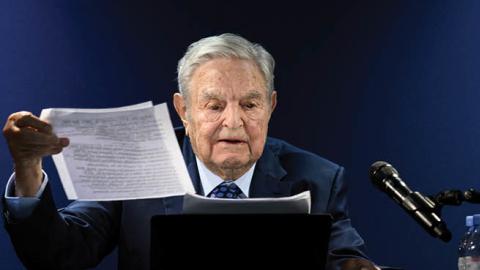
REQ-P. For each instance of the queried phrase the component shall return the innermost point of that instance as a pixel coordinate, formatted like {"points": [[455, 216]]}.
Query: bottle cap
{"points": [[469, 221], [476, 220]]}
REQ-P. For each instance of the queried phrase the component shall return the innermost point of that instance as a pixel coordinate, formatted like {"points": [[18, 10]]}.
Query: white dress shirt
{"points": [[210, 180]]}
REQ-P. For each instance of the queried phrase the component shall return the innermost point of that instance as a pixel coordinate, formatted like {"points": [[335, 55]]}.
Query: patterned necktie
{"points": [[227, 190]]}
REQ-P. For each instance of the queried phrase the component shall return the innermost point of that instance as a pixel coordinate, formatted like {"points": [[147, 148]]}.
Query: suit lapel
{"points": [[174, 205], [190, 161], [267, 177]]}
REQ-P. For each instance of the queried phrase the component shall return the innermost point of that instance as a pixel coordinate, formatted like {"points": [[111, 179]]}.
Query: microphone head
{"points": [[387, 179], [380, 170]]}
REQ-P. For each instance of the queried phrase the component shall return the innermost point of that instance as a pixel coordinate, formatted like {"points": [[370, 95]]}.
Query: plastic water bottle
{"points": [[469, 254], [463, 242]]}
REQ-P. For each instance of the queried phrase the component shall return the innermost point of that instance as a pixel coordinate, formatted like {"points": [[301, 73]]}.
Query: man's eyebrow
{"points": [[254, 94], [209, 94]]}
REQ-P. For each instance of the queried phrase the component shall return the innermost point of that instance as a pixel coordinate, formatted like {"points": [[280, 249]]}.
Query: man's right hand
{"points": [[29, 140]]}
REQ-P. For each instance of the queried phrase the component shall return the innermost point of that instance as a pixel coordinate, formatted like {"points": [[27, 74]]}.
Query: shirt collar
{"points": [[210, 180]]}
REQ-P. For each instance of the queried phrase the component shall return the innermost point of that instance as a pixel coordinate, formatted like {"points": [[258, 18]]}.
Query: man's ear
{"points": [[181, 107], [273, 100]]}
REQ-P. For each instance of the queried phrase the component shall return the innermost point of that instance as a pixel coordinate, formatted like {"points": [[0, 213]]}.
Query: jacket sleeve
{"points": [[345, 242], [21, 207], [75, 237]]}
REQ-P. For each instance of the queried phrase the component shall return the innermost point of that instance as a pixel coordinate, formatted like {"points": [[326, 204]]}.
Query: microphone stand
{"points": [[449, 197], [454, 197]]}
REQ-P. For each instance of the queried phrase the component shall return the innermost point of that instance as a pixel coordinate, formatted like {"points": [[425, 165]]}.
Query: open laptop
{"points": [[296, 241]]}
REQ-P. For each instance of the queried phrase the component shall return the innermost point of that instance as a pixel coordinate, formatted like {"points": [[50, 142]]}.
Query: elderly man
{"points": [[225, 102]]}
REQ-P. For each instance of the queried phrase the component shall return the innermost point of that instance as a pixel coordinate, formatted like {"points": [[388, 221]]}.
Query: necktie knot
{"points": [[227, 190]]}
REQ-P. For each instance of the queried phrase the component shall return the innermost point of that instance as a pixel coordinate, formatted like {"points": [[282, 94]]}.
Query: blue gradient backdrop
{"points": [[358, 81]]}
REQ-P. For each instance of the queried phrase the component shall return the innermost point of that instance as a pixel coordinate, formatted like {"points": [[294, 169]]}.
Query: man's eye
{"points": [[214, 107], [250, 105]]}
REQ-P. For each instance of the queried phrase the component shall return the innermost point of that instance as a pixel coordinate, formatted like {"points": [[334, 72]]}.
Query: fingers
{"points": [[28, 123], [357, 263], [26, 152], [30, 138], [64, 142], [37, 138], [30, 120]]}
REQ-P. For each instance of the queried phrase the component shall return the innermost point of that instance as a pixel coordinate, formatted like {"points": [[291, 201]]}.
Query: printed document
{"points": [[296, 204], [119, 153]]}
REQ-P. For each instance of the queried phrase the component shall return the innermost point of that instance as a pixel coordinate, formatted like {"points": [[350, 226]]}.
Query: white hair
{"points": [[223, 46]]}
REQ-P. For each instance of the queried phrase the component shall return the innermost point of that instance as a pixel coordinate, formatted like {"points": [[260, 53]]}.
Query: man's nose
{"points": [[232, 117]]}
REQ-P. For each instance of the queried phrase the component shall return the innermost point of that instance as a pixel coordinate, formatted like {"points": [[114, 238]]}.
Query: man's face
{"points": [[227, 115]]}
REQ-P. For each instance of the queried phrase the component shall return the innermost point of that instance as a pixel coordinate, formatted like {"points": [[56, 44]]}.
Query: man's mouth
{"points": [[232, 141]]}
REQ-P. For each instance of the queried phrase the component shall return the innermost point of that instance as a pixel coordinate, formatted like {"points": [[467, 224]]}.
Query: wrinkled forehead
{"points": [[228, 77]]}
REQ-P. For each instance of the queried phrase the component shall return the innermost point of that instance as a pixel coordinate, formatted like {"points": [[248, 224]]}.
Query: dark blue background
{"points": [[358, 81]]}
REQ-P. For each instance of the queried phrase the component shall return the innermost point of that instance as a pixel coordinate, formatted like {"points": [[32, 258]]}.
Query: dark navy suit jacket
{"points": [[81, 234]]}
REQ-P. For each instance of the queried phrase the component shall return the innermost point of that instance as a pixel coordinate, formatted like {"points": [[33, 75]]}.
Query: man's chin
{"points": [[233, 163], [231, 167]]}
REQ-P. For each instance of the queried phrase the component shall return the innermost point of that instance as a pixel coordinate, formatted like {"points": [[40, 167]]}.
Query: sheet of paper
{"points": [[119, 153], [297, 204], [142, 105]]}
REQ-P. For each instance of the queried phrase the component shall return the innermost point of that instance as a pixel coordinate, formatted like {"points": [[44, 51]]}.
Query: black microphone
{"points": [[420, 207]]}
